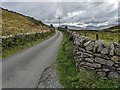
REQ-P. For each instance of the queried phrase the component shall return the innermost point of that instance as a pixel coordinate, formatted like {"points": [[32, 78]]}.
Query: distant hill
{"points": [[114, 28], [104, 28], [15, 23]]}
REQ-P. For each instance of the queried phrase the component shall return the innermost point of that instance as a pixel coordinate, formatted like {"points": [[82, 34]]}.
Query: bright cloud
{"points": [[89, 12]]}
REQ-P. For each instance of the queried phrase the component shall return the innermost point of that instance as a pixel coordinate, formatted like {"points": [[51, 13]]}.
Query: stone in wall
{"points": [[109, 67], [78, 58], [76, 42], [78, 53], [81, 64], [112, 49], [115, 58], [105, 51], [89, 52], [89, 60], [117, 51], [116, 65], [87, 55], [83, 40], [87, 43], [102, 56], [96, 65], [106, 70], [109, 63], [98, 46], [88, 68], [113, 75], [100, 60], [90, 46], [91, 64], [118, 69], [81, 49]]}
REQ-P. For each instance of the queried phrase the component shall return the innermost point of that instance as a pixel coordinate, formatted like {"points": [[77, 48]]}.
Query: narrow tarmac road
{"points": [[23, 70]]}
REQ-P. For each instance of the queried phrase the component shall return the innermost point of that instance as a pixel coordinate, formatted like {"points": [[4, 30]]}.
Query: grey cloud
{"points": [[91, 12]]}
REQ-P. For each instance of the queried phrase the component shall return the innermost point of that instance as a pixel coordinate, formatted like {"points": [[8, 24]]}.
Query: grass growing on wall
{"points": [[70, 76], [13, 45]]}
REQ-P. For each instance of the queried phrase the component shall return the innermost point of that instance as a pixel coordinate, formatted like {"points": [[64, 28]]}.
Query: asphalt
{"points": [[24, 69]]}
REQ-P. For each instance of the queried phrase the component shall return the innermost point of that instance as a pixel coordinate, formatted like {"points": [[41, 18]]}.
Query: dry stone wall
{"points": [[96, 56]]}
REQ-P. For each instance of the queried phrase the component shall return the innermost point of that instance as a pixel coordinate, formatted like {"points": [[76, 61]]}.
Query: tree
{"points": [[51, 25], [66, 27]]}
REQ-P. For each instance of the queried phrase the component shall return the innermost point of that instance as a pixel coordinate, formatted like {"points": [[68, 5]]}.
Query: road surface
{"points": [[23, 70]]}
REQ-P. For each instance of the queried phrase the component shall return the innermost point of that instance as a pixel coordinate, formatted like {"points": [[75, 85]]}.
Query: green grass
{"points": [[106, 37], [91, 80], [70, 76], [66, 67], [26, 45]]}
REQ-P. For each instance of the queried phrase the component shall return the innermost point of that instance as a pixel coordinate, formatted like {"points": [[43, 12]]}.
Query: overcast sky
{"points": [[82, 13]]}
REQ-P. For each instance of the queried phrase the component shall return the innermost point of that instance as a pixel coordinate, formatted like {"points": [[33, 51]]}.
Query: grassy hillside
{"points": [[14, 23], [114, 28]]}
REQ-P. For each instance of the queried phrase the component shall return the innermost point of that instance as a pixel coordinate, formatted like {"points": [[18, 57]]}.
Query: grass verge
{"points": [[70, 76], [26, 45]]}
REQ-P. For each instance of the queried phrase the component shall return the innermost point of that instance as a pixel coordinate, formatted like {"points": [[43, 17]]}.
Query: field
{"points": [[106, 37]]}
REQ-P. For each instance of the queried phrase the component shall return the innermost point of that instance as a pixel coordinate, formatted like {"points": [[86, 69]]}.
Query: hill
{"points": [[20, 32], [15, 23], [113, 28]]}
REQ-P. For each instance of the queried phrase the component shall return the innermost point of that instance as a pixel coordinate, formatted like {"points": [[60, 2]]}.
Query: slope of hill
{"points": [[20, 32], [114, 28], [14, 23]]}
